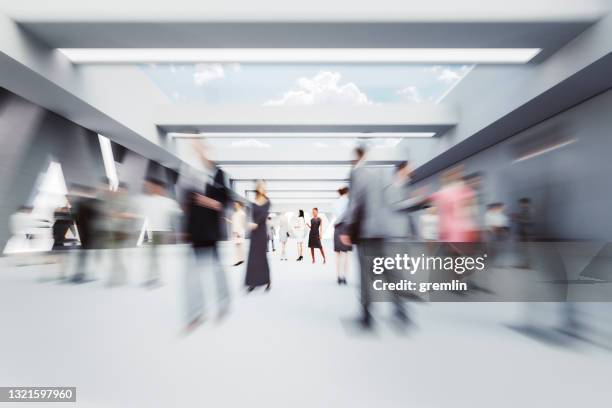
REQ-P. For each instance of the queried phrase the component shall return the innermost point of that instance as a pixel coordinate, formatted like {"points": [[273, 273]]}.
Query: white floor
{"points": [[295, 346]]}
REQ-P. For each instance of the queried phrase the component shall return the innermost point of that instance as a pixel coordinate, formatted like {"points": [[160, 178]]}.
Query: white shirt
{"points": [[428, 226], [299, 228], [283, 225], [496, 219], [239, 223]]}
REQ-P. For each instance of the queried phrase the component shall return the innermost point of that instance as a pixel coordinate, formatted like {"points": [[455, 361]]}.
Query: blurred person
{"points": [[366, 221], [118, 227], [428, 224], [258, 270], [341, 250], [402, 233], [204, 211], [401, 229], [428, 227], [314, 236], [299, 232], [87, 213], [523, 223], [458, 231], [524, 220], [497, 222], [160, 212], [283, 235], [457, 227], [238, 222], [454, 204], [64, 222], [476, 206], [271, 232], [497, 227]]}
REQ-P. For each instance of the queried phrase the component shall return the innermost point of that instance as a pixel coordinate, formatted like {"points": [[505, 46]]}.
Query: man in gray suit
{"points": [[368, 225]]}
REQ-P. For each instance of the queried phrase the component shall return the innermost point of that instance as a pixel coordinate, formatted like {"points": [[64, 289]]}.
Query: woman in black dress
{"points": [[314, 237], [258, 271]]}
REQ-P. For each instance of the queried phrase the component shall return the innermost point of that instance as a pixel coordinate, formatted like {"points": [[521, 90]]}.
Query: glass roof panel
{"points": [[305, 84]]}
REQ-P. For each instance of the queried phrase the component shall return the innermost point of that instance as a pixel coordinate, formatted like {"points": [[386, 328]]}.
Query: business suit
{"points": [[204, 229], [367, 221], [204, 224]]}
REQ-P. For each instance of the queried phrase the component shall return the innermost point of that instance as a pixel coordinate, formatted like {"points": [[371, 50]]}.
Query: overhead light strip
{"points": [[544, 150], [301, 55], [303, 135]]}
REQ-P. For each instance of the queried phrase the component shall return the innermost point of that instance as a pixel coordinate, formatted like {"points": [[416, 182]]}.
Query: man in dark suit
{"points": [[204, 213], [86, 209]]}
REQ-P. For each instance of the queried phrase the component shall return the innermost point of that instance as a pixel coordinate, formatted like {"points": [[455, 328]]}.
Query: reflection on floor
{"points": [[292, 347]]}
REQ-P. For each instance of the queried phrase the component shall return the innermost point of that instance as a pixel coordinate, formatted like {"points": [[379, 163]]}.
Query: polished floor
{"points": [[295, 346]]}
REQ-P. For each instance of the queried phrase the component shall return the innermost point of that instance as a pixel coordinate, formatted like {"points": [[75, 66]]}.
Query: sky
{"points": [[280, 84]]}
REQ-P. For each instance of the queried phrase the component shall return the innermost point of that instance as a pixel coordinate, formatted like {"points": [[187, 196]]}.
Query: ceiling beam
{"points": [[193, 119]]}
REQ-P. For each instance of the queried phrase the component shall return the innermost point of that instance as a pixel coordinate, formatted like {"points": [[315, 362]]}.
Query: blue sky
{"points": [[279, 84]]}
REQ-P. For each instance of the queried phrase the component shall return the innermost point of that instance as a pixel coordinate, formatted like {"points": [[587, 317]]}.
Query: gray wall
{"points": [[30, 136], [571, 187]]}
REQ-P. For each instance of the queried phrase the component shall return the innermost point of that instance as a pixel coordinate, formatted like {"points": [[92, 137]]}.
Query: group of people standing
{"points": [[296, 231]]}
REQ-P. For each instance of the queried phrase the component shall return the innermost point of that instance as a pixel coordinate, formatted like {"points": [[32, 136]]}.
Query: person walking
{"points": [[271, 232], [314, 237], [283, 232], [238, 222], [203, 223], [299, 232], [87, 211], [160, 213], [258, 270], [366, 221], [341, 250], [119, 231]]}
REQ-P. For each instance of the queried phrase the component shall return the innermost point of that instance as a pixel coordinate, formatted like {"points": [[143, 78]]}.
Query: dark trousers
{"points": [[80, 273], [367, 250]]}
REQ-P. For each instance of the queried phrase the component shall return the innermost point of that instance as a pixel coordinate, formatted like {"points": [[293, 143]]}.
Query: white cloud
{"points": [[207, 72], [449, 75], [323, 89], [258, 144], [411, 93]]}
